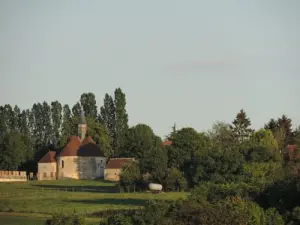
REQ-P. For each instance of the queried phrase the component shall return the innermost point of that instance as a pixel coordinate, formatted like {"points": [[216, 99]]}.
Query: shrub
{"points": [[62, 219]]}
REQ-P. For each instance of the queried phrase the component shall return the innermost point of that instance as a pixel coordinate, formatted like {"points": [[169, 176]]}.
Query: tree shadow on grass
{"points": [[90, 189], [112, 201]]}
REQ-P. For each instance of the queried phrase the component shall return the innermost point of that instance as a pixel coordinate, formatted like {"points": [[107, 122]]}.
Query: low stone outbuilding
{"points": [[47, 167], [114, 167]]}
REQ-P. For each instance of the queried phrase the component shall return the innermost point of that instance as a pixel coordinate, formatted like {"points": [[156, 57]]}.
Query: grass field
{"points": [[39, 199]]}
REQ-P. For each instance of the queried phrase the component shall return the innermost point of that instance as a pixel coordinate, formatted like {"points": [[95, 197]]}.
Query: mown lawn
{"points": [[16, 220], [32, 219], [86, 197]]}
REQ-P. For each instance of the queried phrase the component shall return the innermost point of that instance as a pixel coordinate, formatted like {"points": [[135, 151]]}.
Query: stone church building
{"points": [[81, 158]]}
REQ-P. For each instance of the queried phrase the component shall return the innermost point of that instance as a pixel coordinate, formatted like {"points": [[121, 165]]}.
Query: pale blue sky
{"points": [[189, 62]]}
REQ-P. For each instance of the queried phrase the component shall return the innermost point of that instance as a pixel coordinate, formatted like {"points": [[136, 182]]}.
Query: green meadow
{"points": [[33, 202]]}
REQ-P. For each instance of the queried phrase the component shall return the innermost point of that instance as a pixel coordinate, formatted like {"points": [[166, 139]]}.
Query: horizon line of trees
{"points": [[25, 135], [236, 175]]}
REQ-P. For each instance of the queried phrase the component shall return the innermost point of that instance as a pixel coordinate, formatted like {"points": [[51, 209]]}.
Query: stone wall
{"points": [[12, 176], [67, 167], [112, 174], [46, 171], [91, 167]]}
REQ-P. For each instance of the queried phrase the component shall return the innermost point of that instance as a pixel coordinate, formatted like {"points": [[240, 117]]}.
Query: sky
{"points": [[186, 62]]}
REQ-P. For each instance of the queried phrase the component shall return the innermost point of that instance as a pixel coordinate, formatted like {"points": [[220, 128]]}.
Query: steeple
{"points": [[82, 119], [82, 126]]}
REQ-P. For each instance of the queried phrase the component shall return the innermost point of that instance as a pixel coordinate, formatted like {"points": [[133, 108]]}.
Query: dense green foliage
{"points": [[236, 175], [61, 219]]}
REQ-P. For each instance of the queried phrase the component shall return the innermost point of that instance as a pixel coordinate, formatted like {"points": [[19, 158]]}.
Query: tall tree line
{"points": [[114, 116], [26, 135]]}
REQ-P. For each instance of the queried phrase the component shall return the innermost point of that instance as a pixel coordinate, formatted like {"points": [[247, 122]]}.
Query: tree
{"points": [[295, 216], [9, 118], [186, 144], [76, 109], [217, 165], [142, 144], [16, 119], [56, 115], [118, 219], [47, 125], [130, 175], [23, 125], [241, 126], [174, 180], [297, 137], [280, 137], [89, 105], [264, 138], [13, 151], [157, 160], [24, 129], [67, 125], [222, 135], [263, 147], [108, 118], [121, 120], [281, 128], [100, 135], [62, 219], [42, 126], [286, 124], [260, 175], [273, 217], [3, 127], [30, 118], [37, 125], [272, 125]]}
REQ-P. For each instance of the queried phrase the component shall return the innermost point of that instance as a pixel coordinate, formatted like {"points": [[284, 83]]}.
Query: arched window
{"points": [[62, 164]]}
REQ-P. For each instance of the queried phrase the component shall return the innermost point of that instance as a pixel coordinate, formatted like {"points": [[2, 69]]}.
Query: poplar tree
{"points": [[121, 119], [89, 105], [56, 116], [108, 118], [67, 126]]}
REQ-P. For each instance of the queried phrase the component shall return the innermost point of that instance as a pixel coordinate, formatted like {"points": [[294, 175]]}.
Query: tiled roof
{"points": [[71, 147], [48, 158], [90, 149], [291, 148], [167, 142], [87, 147], [118, 163], [88, 140]]}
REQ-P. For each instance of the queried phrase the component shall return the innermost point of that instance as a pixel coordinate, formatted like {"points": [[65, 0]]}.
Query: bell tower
{"points": [[82, 126]]}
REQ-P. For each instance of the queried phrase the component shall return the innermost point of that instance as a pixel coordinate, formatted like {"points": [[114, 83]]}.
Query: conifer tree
{"points": [[241, 126]]}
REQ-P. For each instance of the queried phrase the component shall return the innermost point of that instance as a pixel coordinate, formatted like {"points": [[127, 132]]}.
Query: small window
{"points": [[62, 164], [45, 174]]}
